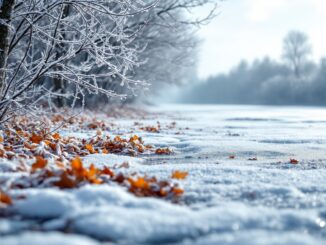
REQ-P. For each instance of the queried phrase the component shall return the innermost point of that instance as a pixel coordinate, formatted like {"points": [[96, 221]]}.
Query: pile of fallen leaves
{"points": [[18, 143], [57, 163], [43, 174], [22, 142]]}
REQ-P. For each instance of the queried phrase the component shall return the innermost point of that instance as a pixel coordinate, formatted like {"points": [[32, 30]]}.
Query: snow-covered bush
{"points": [[57, 52], [48, 46], [171, 46]]}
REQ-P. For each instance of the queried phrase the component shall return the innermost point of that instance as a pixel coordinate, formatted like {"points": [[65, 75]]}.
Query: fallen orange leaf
{"points": [[179, 175], [76, 163], [118, 139], [178, 191], [90, 148], [91, 174], [36, 139], [2, 153], [40, 163], [134, 138], [107, 171], [4, 198], [77, 167], [56, 136], [140, 183]]}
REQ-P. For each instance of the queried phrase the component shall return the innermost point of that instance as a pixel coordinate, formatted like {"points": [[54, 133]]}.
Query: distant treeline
{"points": [[265, 82]]}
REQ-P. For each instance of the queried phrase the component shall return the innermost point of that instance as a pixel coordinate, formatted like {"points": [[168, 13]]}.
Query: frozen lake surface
{"points": [[254, 197]]}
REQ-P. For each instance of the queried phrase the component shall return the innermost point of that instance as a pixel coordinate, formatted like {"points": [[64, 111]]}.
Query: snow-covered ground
{"points": [[226, 201]]}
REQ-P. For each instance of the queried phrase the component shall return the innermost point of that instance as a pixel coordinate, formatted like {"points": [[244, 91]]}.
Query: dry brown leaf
{"points": [[163, 151], [118, 139], [65, 182], [294, 161], [151, 129], [92, 126]]}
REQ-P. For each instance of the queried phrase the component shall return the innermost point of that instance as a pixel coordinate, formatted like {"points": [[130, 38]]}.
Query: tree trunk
{"points": [[59, 85], [5, 16]]}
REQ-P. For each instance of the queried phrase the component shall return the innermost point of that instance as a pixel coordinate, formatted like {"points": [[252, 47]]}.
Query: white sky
{"points": [[249, 29]]}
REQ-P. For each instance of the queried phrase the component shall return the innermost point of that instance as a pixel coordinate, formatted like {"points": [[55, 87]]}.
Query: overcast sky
{"points": [[249, 29]]}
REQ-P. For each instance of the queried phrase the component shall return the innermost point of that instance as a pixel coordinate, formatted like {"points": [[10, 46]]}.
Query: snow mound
{"points": [[109, 160], [111, 214], [53, 238]]}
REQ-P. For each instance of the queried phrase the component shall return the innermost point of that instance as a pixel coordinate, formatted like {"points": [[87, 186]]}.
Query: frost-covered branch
{"points": [[65, 47]]}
